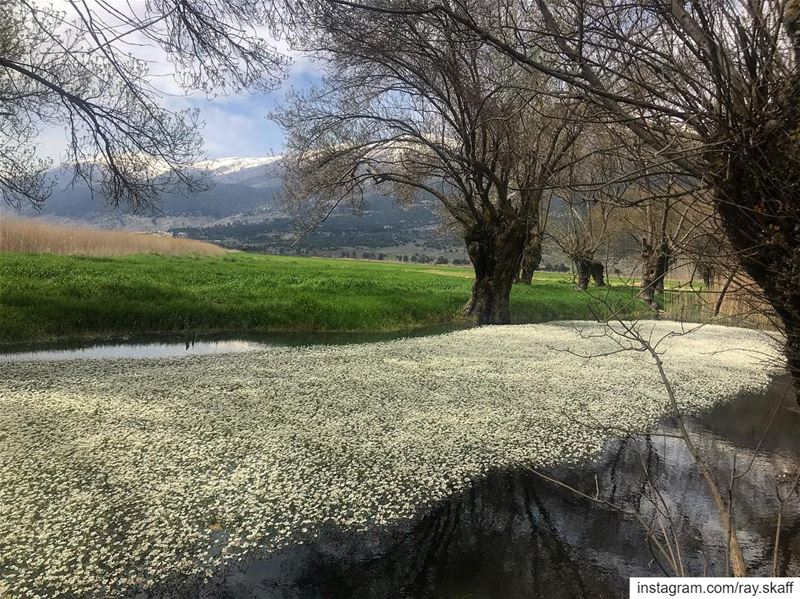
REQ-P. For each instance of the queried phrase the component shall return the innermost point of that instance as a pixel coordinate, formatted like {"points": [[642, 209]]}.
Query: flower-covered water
{"points": [[120, 474]]}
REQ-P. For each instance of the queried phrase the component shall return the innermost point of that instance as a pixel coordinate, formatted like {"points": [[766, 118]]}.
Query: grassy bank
{"points": [[44, 297]]}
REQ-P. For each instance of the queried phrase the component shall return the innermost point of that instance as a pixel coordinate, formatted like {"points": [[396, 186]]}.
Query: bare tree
{"points": [[581, 232], [532, 252], [673, 226], [78, 68], [711, 88], [418, 104], [590, 198]]}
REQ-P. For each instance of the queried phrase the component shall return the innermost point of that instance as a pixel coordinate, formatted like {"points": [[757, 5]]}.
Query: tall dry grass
{"points": [[738, 305], [735, 302], [34, 236]]}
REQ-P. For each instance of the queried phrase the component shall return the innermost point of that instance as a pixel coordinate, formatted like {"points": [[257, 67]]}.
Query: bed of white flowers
{"points": [[122, 473]]}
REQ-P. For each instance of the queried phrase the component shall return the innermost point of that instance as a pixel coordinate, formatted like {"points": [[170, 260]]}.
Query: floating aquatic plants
{"points": [[120, 474]]}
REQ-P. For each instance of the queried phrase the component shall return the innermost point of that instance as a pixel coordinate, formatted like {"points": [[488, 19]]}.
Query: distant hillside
{"points": [[238, 186], [242, 209], [382, 225], [220, 201]]}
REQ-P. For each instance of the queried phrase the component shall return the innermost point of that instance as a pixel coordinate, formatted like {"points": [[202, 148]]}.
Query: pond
{"points": [[516, 535], [393, 468]]}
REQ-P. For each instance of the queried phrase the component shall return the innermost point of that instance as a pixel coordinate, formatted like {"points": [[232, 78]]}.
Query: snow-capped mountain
{"points": [[254, 172], [242, 209], [237, 186], [232, 164]]}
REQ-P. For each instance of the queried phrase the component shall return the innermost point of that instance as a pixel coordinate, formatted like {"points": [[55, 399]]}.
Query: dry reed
{"points": [[739, 305], [35, 236]]}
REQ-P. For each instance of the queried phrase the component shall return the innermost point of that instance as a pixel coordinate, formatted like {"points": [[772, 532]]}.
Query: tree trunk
{"points": [[792, 328], [759, 205], [774, 264], [707, 273], [494, 253], [584, 272], [531, 258], [598, 271], [655, 265], [588, 268]]}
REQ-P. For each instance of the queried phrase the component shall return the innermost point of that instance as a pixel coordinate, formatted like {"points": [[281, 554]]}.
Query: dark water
{"points": [[516, 535], [173, 345]]}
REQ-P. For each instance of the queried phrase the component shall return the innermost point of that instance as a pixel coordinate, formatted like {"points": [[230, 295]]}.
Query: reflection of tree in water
{"points": [[551, 556], [497, 539], [515, 535]]}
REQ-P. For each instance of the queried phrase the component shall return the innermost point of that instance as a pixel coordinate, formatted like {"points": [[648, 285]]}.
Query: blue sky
{"points": [[234, 125], [238, 125]]}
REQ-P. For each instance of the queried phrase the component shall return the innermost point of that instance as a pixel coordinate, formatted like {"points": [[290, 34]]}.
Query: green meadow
{"points": [[45, 297]]}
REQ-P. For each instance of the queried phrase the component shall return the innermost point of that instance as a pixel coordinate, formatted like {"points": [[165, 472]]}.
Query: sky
{"points": [[235, 125], [238, 125]]}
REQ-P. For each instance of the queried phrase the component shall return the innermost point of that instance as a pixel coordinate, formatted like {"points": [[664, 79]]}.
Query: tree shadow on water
{"points": [[517, 535]]}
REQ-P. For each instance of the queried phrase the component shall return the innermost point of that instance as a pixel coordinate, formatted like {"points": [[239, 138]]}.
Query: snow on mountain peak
{"points": [[233, 164]]}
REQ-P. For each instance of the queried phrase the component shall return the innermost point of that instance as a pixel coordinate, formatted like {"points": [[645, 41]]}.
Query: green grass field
{"points": [[45, 297]]}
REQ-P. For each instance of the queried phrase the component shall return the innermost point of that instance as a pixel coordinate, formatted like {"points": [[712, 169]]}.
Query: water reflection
{"points": [[129, 350], [515, 535], [173, 345]]}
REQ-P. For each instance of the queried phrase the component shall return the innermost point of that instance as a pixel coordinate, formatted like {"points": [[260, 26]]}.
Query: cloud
{"points": [[237, 125], [242, 130]]}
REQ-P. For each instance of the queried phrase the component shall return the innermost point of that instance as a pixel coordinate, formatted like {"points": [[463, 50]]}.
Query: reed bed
{"points": [[741, 306], [38, 237]]}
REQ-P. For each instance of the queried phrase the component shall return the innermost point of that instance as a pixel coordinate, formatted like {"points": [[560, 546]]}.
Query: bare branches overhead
{"points": [[84, 69]]}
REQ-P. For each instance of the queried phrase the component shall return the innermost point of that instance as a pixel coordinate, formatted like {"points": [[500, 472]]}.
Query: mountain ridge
{"points": [[242, 209]]}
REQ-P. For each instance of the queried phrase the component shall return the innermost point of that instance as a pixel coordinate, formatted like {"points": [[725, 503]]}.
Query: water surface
{"points": [[516, 535], [175, 345]]}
